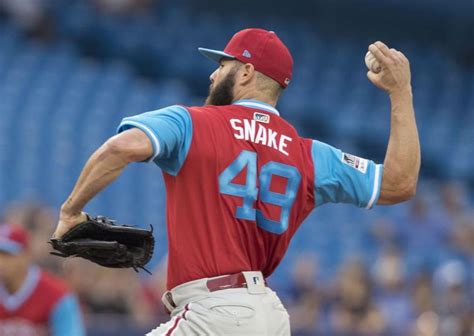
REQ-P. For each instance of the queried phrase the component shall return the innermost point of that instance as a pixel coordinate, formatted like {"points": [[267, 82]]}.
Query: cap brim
{"points": [[10, 247], [215, 55]]}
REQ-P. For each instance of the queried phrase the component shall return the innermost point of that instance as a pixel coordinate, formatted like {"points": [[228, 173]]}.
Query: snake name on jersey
{"points": [[254, 131]]}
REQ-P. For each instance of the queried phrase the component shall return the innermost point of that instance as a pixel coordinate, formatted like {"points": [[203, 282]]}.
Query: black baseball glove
{"points": [[102, 241]]}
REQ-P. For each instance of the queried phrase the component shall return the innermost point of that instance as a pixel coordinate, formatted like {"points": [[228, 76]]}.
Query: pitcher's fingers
{"points": [[383, 47], [395, 55], [398, 56], [403, 57], [378, 54], [373, 77]]}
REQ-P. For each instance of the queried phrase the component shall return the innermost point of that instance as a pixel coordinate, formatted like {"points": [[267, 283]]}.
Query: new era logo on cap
{"points": [[247, 54], [263, 49]]}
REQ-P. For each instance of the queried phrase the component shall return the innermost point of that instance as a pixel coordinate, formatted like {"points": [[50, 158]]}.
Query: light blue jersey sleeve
{"points": [[170, 132], [66, 318], [344, 178]]}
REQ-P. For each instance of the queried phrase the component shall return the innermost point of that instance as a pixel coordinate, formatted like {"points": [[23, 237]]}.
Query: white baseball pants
{"points": [[252, 311]]}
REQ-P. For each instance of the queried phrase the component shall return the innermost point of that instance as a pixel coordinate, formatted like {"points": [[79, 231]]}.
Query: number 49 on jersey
{"points": [[250, 193]]}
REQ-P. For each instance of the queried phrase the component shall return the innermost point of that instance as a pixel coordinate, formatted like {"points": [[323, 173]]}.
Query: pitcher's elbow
{"points": [[117, 148], [408, 192]]}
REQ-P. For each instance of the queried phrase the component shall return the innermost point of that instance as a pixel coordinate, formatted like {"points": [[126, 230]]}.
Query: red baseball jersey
{"points": [[42, 306], [239, 182]]}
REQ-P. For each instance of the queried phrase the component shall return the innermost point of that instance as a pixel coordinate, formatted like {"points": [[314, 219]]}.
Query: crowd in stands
{"points": [[387, 297]]}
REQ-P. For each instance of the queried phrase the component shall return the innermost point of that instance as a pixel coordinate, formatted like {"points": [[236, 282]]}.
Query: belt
{"points": [[236, 280]]}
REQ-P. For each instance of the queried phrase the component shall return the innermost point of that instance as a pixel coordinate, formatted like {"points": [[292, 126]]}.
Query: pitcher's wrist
{"points": [[67, 211], [401, 92]]}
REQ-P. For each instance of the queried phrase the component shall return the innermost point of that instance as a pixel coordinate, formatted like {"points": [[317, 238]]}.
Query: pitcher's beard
{"points": [[222, 93]]}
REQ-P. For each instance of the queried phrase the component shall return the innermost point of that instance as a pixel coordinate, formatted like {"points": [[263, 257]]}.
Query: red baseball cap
{"points": [[259, 47], [13, 239]]}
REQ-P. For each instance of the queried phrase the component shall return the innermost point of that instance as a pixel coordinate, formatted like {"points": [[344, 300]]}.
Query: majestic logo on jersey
{"points": [[250, 130], [261, 117], [355, 162]]}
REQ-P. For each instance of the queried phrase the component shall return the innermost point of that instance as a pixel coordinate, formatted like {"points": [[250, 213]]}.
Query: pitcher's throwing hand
{"points": [[395, 74]]}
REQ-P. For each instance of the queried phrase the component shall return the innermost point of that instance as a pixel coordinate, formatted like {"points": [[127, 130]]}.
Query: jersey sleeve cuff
{"points": [[376, 186], [128, 124]]}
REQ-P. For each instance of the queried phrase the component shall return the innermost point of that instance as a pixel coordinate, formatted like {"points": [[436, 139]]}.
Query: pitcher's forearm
{"points": [[103, 167], [404, 140], [402, 160]]}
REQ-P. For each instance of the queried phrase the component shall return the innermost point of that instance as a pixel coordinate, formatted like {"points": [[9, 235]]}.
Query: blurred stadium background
{"points": [[71, 70]]}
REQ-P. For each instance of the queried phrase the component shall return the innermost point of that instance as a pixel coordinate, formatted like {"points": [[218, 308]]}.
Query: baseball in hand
{"points": [[372, 63]]}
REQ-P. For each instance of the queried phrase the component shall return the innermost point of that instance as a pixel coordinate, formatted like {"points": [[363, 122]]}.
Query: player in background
{"points": [[240, 181], [32, 301]]}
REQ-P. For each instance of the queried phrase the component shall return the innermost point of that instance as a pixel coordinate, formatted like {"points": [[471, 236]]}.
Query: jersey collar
{"points": [[257, 104], [13, 301]]}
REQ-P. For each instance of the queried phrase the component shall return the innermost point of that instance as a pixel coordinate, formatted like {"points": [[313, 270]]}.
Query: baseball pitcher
{"points": [[240, 181]]}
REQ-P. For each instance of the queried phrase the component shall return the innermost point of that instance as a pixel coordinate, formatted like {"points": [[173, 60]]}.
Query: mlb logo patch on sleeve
{"points": [[355, 162]]}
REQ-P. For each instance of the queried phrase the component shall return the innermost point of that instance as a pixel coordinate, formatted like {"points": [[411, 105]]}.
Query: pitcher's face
{"points": [[221, 90]]}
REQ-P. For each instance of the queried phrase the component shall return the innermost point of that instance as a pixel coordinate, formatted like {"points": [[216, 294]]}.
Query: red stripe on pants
{"points": [[175, 324]]}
